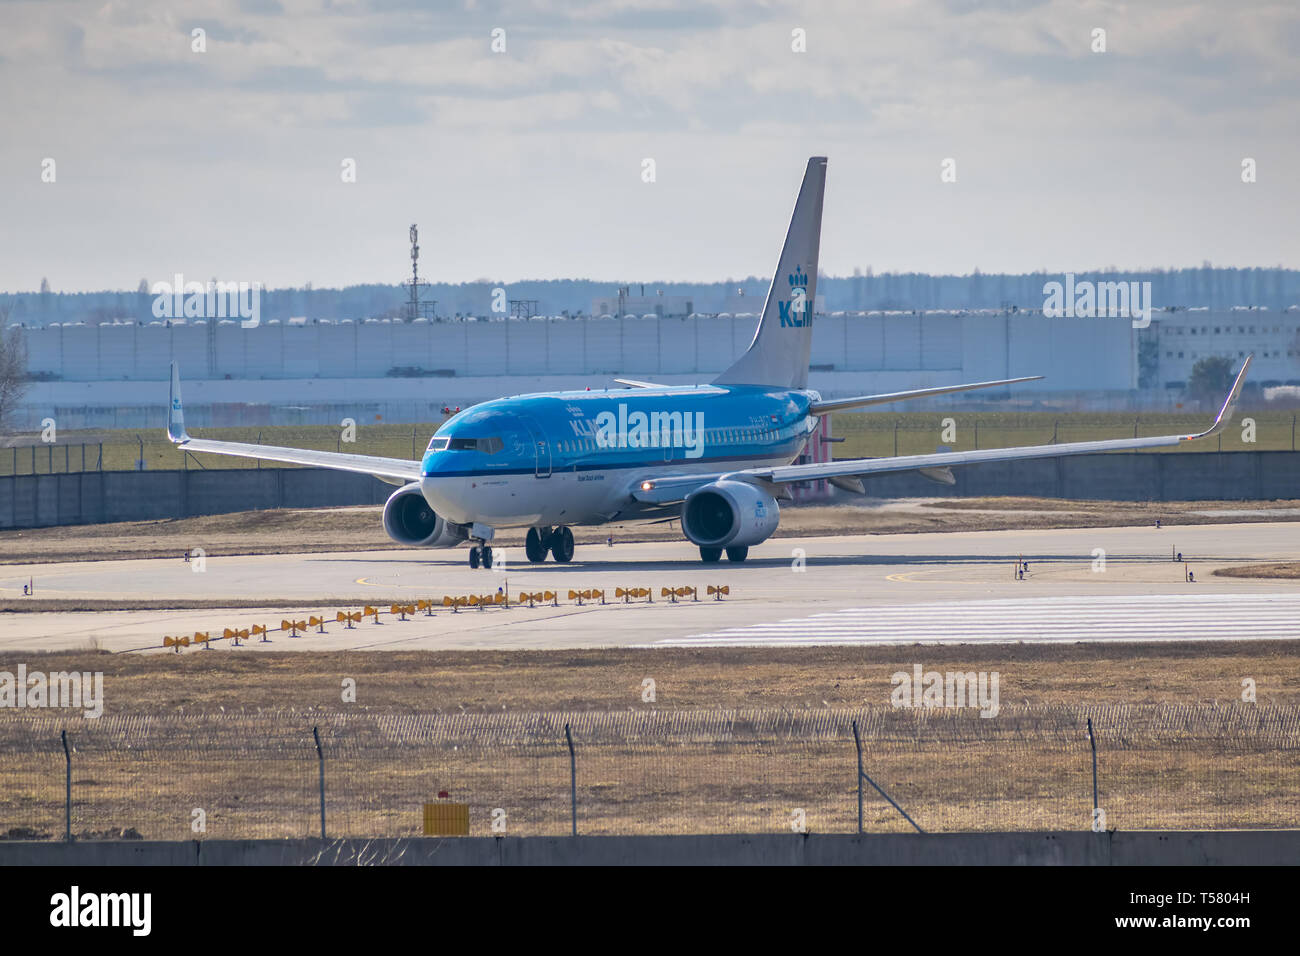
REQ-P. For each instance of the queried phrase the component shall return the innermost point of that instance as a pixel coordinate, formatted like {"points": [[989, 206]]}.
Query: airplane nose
{"points": [[446, 497]]}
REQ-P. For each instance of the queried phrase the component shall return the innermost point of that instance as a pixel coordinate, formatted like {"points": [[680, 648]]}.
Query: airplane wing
{"points": [[392, 470], [839, 405], [676, 488]]}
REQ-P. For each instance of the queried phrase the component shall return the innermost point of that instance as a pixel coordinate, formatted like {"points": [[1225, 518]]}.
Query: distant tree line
{"points": [[13, 370], [1218, 288]]}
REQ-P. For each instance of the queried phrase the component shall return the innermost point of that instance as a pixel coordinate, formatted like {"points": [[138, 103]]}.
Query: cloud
{"points": [[551, 133]]}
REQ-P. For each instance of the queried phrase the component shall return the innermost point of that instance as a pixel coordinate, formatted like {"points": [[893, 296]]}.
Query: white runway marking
{"points": [[1154, 617]]}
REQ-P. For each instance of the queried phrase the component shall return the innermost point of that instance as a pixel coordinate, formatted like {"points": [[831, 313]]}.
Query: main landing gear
{"points": [[557, 541], [714, 555], [480, 556]]}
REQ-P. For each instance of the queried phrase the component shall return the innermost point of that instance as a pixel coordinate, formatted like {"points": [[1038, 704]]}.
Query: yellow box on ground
{"points": [[446, 819]]}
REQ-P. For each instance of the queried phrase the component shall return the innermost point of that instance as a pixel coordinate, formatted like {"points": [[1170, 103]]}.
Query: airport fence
{"points": [[153, 452], [293, 774]]}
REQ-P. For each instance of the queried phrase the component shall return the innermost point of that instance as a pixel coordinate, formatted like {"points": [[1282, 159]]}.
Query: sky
{"points": [[530, 161]]}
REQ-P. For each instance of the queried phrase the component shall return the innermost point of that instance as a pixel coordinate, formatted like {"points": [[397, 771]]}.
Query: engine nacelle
{"points": [[729, 513], [409, 520]]}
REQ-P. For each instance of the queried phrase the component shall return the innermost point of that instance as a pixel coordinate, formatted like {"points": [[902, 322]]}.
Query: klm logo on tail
{"points": [[794, 311]]}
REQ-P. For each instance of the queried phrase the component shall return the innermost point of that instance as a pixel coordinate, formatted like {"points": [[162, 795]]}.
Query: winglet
{"points": [[1229, 404], [176, 410]]}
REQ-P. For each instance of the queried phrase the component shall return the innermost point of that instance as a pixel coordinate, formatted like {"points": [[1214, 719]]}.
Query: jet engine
{"points": [[409, 520], [729, 514]]}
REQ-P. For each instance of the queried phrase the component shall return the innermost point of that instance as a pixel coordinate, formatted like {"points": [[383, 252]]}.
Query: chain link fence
{"points": [[874, 435], [882, 434], [151, 451], [259, 776]]}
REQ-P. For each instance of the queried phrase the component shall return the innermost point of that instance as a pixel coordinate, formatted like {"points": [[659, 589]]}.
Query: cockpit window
{"points": [[488, 446], [437, 444]]}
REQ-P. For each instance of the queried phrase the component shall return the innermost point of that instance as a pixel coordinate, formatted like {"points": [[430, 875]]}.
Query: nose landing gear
{"points": [[480, 555]]}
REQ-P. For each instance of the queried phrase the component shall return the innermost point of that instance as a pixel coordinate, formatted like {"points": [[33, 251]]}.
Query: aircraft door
{"points": [[541, 446]]}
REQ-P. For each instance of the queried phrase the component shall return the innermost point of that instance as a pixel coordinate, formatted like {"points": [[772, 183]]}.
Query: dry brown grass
{"points": [[610, 678], [255, 777], [375, 785], [1285, 570]]}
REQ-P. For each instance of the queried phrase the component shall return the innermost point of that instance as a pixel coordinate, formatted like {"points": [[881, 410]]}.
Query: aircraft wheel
{"points": [[710, 555], [737, 555], [562, 545], [487, 557], [473, 556], [534, 547]]}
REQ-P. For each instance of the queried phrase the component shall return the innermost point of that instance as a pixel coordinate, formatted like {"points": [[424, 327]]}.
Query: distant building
{"points": [[282, 372], [627, 302], [738, 303], [1185, 336]]}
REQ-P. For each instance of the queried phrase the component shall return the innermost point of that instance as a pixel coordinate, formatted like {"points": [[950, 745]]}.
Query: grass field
{"points": [[485, 682], [1286, 570], [873, 435], [120, 450], [735, 741], [866, 436]]}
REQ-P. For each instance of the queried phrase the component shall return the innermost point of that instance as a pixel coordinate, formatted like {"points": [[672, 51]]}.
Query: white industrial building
{"points": [[114, 375], [1187, 335]]}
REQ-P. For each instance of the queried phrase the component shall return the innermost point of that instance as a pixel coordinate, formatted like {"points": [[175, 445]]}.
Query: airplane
{"points": [[715, 457]]}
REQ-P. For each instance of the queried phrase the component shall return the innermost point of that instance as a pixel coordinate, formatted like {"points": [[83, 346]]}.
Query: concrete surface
{"points": [[1143, 848], [955, 587]]}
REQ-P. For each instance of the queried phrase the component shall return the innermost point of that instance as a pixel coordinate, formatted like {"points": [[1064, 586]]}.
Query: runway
{"points": [[1142, 617], [1111, 584]]}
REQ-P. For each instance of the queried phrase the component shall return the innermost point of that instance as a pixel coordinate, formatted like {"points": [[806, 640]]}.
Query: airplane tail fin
{"points": [[778, 356]]}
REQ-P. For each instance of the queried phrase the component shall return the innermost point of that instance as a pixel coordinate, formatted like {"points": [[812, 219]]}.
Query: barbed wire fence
{"points": [[262, 775]]}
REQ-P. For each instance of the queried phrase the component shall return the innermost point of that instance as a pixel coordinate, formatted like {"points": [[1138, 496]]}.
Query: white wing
{"points": [[675, 488], [387, 469]]}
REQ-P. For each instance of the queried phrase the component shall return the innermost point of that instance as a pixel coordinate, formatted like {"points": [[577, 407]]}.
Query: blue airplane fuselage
{"points": [[567, 458]]}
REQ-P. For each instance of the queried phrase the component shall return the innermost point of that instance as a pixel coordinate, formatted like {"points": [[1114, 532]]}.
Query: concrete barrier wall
{"points": [[1146, 848], [36, 501], [1200, 476], [33, 501]]}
